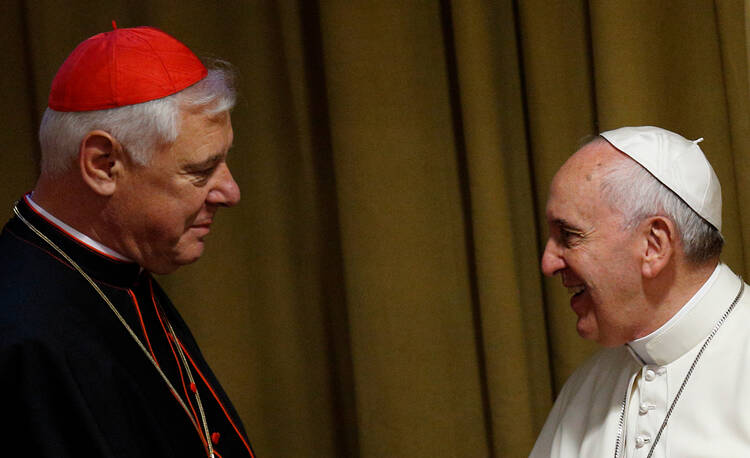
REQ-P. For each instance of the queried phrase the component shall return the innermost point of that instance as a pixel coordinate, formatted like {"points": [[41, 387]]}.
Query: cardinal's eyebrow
{"points": [[205, 164]]}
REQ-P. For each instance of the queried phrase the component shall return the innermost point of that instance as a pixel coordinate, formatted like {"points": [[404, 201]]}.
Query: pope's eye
{"points": [[569, 237]]}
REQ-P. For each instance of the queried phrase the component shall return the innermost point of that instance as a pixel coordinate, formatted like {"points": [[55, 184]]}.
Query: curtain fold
{"points": [[20, 118], [377, 291], [501, 218], [402, 231]]}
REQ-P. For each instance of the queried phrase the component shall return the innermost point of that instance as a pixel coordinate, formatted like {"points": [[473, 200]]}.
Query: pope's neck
{"points": [[666, 295]]}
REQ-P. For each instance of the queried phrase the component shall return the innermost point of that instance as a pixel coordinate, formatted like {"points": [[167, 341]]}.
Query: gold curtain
{"points": [[377, 291]]}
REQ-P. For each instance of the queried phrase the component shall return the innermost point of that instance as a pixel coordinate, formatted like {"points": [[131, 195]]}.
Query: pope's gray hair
{"points": [[632, 191], [141, 128]]}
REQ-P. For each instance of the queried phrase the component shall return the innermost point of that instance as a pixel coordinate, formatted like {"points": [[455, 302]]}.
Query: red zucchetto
{"points": [[123, 67]]}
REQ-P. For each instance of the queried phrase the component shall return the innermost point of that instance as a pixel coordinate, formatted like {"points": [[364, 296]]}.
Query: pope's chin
{"points": [[585, 328], [590, 328]]}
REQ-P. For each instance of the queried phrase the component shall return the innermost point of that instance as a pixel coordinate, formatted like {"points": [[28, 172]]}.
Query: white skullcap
{"points": [[677, 163]]}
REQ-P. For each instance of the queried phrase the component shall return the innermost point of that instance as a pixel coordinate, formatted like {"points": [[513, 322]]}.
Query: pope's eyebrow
{"points": [[569, 227], [561, 222]]}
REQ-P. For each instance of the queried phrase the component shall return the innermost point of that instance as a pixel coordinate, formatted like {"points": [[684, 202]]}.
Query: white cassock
{"points": [[712, 415]]}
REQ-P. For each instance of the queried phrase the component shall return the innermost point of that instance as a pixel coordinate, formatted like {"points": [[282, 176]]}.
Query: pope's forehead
{"points": [[575, 192], [589, 163]]}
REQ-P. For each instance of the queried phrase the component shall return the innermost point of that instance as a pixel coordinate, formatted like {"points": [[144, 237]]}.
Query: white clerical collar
{"points": [[641, 346], [79, 236]]}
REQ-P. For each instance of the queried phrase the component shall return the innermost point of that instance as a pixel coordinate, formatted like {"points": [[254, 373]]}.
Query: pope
{"points": [[634, 221]]}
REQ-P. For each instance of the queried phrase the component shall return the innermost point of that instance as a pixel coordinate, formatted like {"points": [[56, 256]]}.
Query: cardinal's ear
{"points": [[101, 160]]}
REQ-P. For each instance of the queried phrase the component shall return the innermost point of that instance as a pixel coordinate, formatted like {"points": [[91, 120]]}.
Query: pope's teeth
{"points": [[576, 289]]}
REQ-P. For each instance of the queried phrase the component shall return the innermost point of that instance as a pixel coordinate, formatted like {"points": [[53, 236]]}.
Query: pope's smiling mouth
{"points": [[576, 290]]}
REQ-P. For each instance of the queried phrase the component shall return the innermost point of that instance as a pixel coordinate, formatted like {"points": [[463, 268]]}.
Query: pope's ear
{"points": [[100, 159], [660, 239]]}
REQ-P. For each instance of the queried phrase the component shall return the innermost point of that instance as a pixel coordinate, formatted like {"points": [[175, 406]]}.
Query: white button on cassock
{"points": [[642, 440]]}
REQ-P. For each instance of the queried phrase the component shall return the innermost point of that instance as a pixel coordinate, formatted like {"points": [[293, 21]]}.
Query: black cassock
{"points": [[73, 382]]}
